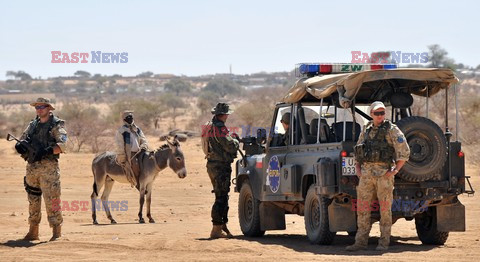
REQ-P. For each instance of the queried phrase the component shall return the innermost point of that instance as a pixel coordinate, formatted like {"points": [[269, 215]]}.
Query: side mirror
{"points": [[261, 136]]}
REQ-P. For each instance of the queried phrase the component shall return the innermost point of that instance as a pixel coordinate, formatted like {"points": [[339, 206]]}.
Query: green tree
{"points": [[145, 111], [206, 101], [178, 86], [82, 74], [222, 87], [19, 75], [438, 57], [83, 124], [172, 102], [145, 74]]}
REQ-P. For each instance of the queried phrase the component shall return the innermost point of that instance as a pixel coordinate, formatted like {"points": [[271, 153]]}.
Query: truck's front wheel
{"points": [[248, 212], [316, 219], [426, 225]]}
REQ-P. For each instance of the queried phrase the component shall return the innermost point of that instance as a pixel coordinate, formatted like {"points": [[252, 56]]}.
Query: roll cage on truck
{"points": [[314, 174]]}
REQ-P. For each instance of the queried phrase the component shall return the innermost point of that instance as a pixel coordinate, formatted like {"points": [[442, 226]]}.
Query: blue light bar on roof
{"points": [[314, 69]]}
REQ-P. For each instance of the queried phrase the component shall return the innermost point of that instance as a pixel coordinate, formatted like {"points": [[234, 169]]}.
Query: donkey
{"points": [[106, 171]]}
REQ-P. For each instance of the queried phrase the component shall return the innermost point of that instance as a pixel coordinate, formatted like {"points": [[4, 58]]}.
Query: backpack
{"points": [[206, 133]]}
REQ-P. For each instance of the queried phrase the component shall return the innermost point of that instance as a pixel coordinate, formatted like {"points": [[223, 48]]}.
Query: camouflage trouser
{"points": [[45, 175], [220, 174], [374, 186]]}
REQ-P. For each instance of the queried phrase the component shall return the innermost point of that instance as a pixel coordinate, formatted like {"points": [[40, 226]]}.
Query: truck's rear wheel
{"points": [[428, 152], [426, 225], [316, 219], [248, 212]]}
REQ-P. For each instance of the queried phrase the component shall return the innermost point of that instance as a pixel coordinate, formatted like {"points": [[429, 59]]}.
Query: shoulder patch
{"points": [[400, 139], [63, 137]]}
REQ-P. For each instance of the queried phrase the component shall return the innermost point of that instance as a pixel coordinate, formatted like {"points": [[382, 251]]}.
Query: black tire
{"points": [[316, 219], [428, 149], [248, 212], [426, 225]]}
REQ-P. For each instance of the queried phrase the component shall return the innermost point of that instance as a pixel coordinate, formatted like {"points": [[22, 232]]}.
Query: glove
{"points": [[21, 149], [42, 153]]}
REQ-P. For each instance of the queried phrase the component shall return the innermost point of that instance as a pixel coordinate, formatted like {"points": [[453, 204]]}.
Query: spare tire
{"points": [[428, 149]]}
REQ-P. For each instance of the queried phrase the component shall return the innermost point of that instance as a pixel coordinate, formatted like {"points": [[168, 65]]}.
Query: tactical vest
{"points": [[40, 134], [376, 149], [214, 151]]}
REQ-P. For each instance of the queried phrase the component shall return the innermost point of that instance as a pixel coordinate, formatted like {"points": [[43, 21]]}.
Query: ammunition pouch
{"points": [[378, 152], [30, 189], [359, 151], [375, 149]]}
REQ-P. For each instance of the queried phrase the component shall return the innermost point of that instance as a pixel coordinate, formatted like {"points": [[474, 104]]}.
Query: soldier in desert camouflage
{"points": [[380, 153], [47, 135]]}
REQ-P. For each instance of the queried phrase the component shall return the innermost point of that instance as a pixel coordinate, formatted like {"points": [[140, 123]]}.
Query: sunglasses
{"points": [[41, 107], [381, 113]]}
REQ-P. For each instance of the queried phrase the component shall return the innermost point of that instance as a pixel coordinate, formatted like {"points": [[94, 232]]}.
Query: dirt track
{"points": [[181, 208]]}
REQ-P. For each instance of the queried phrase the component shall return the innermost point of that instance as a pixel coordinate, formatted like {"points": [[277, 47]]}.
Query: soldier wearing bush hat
{"points": [[47, 135], [222, 150]]}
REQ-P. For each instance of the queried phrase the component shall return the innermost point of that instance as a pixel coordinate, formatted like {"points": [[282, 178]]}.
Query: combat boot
{"points": [[217, 232], [32, 233], [57, 232], [225, 229], [355, 247]]}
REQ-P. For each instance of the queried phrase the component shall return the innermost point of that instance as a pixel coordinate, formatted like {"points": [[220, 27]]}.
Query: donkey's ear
{"points": [[180, 137]]}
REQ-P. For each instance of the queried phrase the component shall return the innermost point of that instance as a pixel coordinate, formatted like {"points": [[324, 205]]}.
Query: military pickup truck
{"points": [[312, 173]]}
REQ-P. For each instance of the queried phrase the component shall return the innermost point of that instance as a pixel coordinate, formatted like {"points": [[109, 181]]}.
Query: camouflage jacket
{"points": [[395, 138], [223, 148], [51, 133]]}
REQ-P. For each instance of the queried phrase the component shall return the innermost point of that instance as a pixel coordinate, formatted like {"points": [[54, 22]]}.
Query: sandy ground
{"points": [[181, 208]]}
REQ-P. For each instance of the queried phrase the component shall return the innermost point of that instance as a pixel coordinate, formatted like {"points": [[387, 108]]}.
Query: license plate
{"points": [[348, 166]]}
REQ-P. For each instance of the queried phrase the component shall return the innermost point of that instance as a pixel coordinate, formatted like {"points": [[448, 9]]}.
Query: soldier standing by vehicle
{"points": [[47, 135], [129, 140], [380, 153], [220, 152]]}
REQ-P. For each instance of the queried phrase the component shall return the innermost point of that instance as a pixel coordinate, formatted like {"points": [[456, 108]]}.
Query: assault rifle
{"points": [[31, 151]]}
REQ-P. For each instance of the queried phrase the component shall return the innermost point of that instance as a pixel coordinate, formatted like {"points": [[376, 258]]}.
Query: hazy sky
{"points": [[205, 37]]}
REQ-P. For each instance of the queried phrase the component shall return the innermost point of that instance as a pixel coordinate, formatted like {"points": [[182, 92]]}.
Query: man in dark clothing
{"points": [[222, 150], [286, 125]]}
